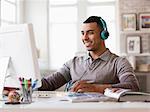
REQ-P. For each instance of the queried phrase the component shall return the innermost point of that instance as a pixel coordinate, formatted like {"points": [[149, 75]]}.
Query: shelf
{"points": [[141, 54], [135, 32], [138, 73]]}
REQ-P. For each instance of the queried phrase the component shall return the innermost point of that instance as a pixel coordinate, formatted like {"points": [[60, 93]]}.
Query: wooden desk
{"points": [[48, 105]]}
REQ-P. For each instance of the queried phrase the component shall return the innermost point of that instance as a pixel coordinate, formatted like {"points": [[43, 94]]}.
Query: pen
{"points": [[29, 83], [26, 84], [68, 85], [29, 92], [34, 84]]}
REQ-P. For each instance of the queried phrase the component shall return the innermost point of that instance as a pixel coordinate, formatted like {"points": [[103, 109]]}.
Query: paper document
{"points": [[4, 61], [85, 97]]}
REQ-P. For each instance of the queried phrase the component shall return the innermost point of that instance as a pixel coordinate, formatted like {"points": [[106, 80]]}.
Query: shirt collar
{"points": [[105, 56]]}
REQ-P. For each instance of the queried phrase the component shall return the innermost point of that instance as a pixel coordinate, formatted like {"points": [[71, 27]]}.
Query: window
{"points": [[62, 2], [62, 32], [8, 12], [109, 17], [96, 1], [64, 23]]}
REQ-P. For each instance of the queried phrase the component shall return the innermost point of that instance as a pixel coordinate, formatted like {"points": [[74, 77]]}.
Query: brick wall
{"points": [[136, 7]]}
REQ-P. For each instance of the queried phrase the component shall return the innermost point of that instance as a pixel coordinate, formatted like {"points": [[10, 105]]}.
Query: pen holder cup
{"points": [[26, 95]]}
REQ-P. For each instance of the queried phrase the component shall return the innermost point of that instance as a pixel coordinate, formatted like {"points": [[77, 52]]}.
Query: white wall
{"points": [[35, 12]]}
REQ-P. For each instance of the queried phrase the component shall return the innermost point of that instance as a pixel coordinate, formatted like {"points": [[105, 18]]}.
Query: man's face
{"points": [[91, 36]]}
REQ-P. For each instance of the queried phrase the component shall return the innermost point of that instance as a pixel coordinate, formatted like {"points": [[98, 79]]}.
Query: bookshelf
{"points": [[129, 25]]}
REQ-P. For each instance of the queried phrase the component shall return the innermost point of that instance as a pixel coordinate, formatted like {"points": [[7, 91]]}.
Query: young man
{"points": [[100, 67]]}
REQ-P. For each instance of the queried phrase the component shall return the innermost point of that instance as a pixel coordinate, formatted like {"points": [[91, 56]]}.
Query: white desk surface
{"points": [[47, 105]]}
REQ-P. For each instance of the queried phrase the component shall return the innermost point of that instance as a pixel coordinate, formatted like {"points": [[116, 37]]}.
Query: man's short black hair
{"points": [[96, 19]]}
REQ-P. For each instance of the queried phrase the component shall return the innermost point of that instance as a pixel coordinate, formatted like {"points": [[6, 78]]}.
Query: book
{"points": [[122, 95]]}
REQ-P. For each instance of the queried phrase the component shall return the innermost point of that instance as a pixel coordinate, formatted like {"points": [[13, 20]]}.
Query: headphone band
{"points": [[103, 24], [104, 33]]}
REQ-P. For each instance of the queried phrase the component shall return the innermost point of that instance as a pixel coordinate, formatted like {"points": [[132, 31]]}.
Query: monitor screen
{"points": [[17, 42]]}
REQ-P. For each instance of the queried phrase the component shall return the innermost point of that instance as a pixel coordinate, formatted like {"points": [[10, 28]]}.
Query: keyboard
{"points": [[47, 94]]}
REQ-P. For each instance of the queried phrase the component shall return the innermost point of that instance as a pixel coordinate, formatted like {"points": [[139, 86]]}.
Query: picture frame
{"points": [[129, 22], [133, 44], [144, 21]]}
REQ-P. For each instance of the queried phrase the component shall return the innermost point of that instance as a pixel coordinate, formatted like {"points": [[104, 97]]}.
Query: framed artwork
{"points": [[129, 22], [144, 21], [133, 44]]}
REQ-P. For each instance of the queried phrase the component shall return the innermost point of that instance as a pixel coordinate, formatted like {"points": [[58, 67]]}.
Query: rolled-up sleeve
{"points": [[126, 75]]}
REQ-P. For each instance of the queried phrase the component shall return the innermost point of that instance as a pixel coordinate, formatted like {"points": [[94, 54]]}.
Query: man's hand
{"points": [[85, 86]]}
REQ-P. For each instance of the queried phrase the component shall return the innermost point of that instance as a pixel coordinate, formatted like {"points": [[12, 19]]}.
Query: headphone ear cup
{"points": [[104, 35]]}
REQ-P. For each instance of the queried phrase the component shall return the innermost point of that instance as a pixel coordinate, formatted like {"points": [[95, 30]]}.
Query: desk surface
{"points": [[48, 105]]}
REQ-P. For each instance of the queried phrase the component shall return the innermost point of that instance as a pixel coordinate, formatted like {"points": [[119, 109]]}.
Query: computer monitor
{"points": [[17, 42]]}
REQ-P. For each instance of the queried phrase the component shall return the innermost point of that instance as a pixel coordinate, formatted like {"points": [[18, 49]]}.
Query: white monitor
{"points": [[17, 42]]}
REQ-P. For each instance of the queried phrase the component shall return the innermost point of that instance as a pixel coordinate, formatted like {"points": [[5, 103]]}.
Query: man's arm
{"points": [[126, 76], [57, 79], [128, 82], [52, 82]]}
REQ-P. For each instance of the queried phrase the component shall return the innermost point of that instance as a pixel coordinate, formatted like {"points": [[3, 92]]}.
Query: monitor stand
{"points": [[4, 63]]}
